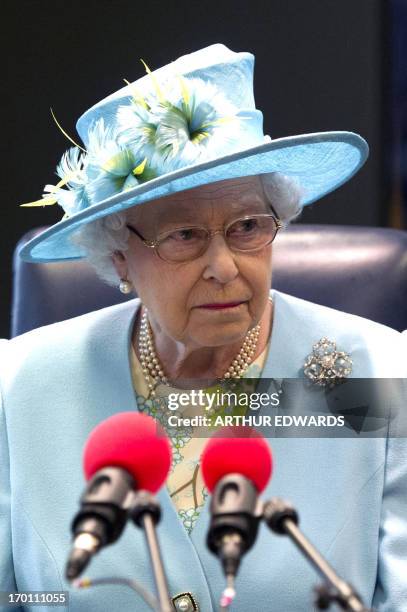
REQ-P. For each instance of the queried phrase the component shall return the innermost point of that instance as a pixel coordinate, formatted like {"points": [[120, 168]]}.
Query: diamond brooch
{"points": [[326, 366]]}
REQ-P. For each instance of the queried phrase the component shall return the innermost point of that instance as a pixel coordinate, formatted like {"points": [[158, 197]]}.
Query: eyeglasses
{"points": [[246, 234]]}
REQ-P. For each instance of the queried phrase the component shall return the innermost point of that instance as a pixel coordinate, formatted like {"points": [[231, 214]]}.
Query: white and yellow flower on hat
{"points": [[112, 165], [190, 123], [72, 172]]}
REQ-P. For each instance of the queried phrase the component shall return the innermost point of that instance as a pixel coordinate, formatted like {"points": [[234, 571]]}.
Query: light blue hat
{"points": [[187, 124]]}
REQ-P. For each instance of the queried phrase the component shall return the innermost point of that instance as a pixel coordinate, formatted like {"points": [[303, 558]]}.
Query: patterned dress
{"points": [[185, 483]]}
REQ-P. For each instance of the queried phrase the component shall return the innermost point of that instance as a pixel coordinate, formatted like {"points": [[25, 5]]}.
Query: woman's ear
{"points": [[120, 263]]}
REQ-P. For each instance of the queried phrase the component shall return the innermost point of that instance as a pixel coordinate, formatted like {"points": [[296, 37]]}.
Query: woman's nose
{"points": [[220, 261]]}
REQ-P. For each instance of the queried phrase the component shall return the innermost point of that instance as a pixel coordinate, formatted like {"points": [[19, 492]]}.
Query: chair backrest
{"points": [[360, 270]]}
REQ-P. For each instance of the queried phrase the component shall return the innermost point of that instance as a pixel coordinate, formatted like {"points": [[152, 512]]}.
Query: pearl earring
{"points": [[125, 286]]}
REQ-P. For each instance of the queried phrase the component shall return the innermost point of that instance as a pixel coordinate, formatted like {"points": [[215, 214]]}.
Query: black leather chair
{"points": [[360, 270]]}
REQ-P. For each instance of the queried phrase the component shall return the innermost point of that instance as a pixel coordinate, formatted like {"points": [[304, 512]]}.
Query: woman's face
{"points": [[177, 295]]}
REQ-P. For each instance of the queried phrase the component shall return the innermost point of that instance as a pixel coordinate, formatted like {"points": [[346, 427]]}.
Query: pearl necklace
{"points": [[153, 370]]}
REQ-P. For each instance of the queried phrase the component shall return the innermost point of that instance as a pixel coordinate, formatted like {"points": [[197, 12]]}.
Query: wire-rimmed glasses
{"points": [[246, 234]]}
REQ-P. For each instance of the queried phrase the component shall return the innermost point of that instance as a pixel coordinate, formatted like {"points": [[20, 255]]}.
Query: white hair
{"points": [[101, 238]]}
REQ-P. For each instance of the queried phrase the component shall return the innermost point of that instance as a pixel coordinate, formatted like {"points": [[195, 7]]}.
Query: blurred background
{"points": [[320, 65]]}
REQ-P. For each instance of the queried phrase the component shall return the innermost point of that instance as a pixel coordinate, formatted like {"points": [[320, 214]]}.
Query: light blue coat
{"points": [[60, 381]]}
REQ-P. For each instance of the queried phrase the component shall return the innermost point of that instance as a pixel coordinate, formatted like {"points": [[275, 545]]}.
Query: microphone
{"points": [[127, 453], [236, 467]]}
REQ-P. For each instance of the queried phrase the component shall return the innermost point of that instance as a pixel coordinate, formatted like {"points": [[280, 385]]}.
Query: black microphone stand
{"points": [[146, 513], [283, 519]]}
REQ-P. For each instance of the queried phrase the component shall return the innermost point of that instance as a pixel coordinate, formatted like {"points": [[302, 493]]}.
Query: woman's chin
{"points": [[220, 327], [218, 336]]}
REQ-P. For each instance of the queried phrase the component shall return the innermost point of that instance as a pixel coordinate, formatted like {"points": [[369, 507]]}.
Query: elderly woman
{"points": [[179, 197]]}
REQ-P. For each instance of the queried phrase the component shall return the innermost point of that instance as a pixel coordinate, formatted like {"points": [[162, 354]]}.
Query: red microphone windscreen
{"points": [[133, 441], [240, 450]]}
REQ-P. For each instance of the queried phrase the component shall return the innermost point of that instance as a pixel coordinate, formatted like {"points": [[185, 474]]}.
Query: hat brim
{"points": [[321, 162]]}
